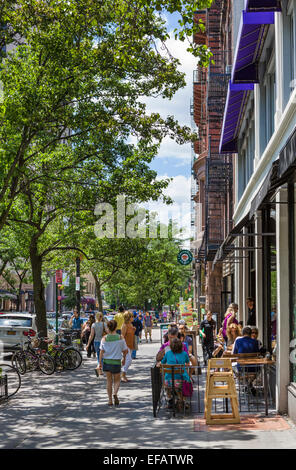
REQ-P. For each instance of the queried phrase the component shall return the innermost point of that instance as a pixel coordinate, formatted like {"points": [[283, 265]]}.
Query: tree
{"points": [[71, 102], [75, 75]]}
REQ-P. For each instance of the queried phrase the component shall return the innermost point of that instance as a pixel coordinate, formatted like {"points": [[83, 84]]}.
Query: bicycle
{"points": [[10, 381], [32, 359], [65, 357]]}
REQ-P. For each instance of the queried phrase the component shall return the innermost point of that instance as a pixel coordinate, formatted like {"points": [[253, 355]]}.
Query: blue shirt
{"points": [[245, 345], [76, 323], [179, 358]]}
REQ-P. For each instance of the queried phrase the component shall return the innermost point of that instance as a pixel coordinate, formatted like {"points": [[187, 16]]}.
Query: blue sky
{"points": [[174, 160]]}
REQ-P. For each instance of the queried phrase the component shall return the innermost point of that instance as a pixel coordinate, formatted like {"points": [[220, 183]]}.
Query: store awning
{"points": [[7, 295], [263, 5], [253, 29], [227, 246], [234, 110], [287, 158], [270, 183]]}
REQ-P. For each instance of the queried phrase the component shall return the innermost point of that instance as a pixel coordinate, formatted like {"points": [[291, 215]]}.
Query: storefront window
{"points": [[293, 310], [269, 278]]}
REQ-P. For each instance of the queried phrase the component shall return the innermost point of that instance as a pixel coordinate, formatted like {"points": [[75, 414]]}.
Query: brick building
{"points": [[213, 171]]}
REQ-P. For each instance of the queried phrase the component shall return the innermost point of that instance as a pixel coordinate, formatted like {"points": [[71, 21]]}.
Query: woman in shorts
{"points": [[113, 350]]}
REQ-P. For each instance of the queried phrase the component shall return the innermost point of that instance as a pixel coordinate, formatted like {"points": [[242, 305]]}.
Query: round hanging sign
{"points": [[185, 257]]}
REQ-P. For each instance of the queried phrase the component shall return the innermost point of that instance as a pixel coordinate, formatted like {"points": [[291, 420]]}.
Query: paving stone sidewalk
{"points": [[69, 410]]}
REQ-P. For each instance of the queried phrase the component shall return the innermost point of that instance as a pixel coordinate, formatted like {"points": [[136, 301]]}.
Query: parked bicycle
{"points": [[31, 359], [10, 381], [65, 357]]}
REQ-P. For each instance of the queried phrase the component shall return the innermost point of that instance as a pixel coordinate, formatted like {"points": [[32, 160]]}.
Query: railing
{"points": [[252, 385]]}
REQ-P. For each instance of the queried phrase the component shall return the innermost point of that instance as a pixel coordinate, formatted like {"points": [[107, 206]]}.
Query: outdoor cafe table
{"points": [[259, 362]]}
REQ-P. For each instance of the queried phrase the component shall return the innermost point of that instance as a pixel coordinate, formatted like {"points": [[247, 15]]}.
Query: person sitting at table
{"points": [[245, 344], [176, 355], [172, 333], [219, 344], [232, 332], [254, 335]]}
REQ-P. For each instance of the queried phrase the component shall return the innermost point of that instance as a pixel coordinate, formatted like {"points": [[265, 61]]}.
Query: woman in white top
{"points": [[113, 352]]}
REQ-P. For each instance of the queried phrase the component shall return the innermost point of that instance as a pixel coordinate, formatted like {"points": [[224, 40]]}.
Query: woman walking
{"points": [[128, 333], [113, 351], [96, 335]]}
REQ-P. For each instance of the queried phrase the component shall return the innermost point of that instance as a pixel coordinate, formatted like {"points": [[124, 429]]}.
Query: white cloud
{"points": [[180, 211], [179, 105]]}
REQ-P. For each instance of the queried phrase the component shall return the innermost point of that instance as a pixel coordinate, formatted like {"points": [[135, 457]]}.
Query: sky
{"points": [[174, 160]]}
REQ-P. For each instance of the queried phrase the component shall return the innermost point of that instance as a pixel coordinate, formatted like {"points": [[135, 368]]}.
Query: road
{"points": [[69, 410]]}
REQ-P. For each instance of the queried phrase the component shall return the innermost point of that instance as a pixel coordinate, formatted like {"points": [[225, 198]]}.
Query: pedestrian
{"points": [[147, 324], [229, 318], [252, 313], [128, 333], [207, 330], [96, 335], [119, 319], [86, 331], [141, 320], [75, 324], [113, 352], [138, 325]]}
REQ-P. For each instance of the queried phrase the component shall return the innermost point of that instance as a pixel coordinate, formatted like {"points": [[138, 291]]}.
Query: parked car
{"points": [[16, 327]]}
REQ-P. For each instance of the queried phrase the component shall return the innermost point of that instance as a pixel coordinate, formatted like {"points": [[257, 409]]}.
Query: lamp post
{"points": [[78, 297]]}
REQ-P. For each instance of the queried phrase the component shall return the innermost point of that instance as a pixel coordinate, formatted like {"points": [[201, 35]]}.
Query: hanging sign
{"points": [[185, 257]]}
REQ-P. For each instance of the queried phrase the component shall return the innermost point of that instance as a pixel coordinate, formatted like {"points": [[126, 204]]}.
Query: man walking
{"points": [[76, 324], [138, 325], [147, 324], [119, 319], [207, 330]]}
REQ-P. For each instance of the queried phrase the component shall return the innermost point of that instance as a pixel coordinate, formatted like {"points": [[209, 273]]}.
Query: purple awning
{"points": [[253, 28], [235, 103], [252, 32], [263, 5]]}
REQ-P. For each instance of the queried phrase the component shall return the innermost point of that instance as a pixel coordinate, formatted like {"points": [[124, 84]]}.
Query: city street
{"points": [[69, 410]]}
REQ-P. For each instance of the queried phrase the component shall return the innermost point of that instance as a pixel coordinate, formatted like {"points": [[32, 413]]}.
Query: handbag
{"points": [[187, 387]]}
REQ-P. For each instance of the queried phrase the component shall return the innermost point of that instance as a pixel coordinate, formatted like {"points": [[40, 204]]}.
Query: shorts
{"points": [[113, 368]]}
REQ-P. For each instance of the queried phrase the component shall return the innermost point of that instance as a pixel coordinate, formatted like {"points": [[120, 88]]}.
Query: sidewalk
{"points": [[69, 410]]}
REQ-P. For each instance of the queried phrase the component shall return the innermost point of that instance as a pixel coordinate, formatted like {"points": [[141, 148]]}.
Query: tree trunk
{"points": [[99, 292], [38, 286]]}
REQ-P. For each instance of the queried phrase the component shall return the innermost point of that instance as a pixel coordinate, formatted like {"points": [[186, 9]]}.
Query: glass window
{"points": [[15, 321]]}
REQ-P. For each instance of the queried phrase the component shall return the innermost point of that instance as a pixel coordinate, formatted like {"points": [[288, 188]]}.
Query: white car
{"points": [[16, 327]]}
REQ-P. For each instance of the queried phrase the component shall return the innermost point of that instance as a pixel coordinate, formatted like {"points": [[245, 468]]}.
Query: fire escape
{"points": [[219, 171]]}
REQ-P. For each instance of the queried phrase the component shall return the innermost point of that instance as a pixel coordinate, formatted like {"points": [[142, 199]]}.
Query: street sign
{"points": [[77, 284], [185, 257], [59, 276]]}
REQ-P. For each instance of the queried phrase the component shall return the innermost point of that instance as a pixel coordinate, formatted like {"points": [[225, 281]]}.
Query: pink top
{"points": [[225, 323]]}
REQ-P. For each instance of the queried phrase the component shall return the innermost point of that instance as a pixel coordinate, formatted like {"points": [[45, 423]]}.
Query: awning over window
{"points": [[235, 104], [270, 183], [263, 5], [227, 246], [253, 29], [287, 159], [5, 294]]}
